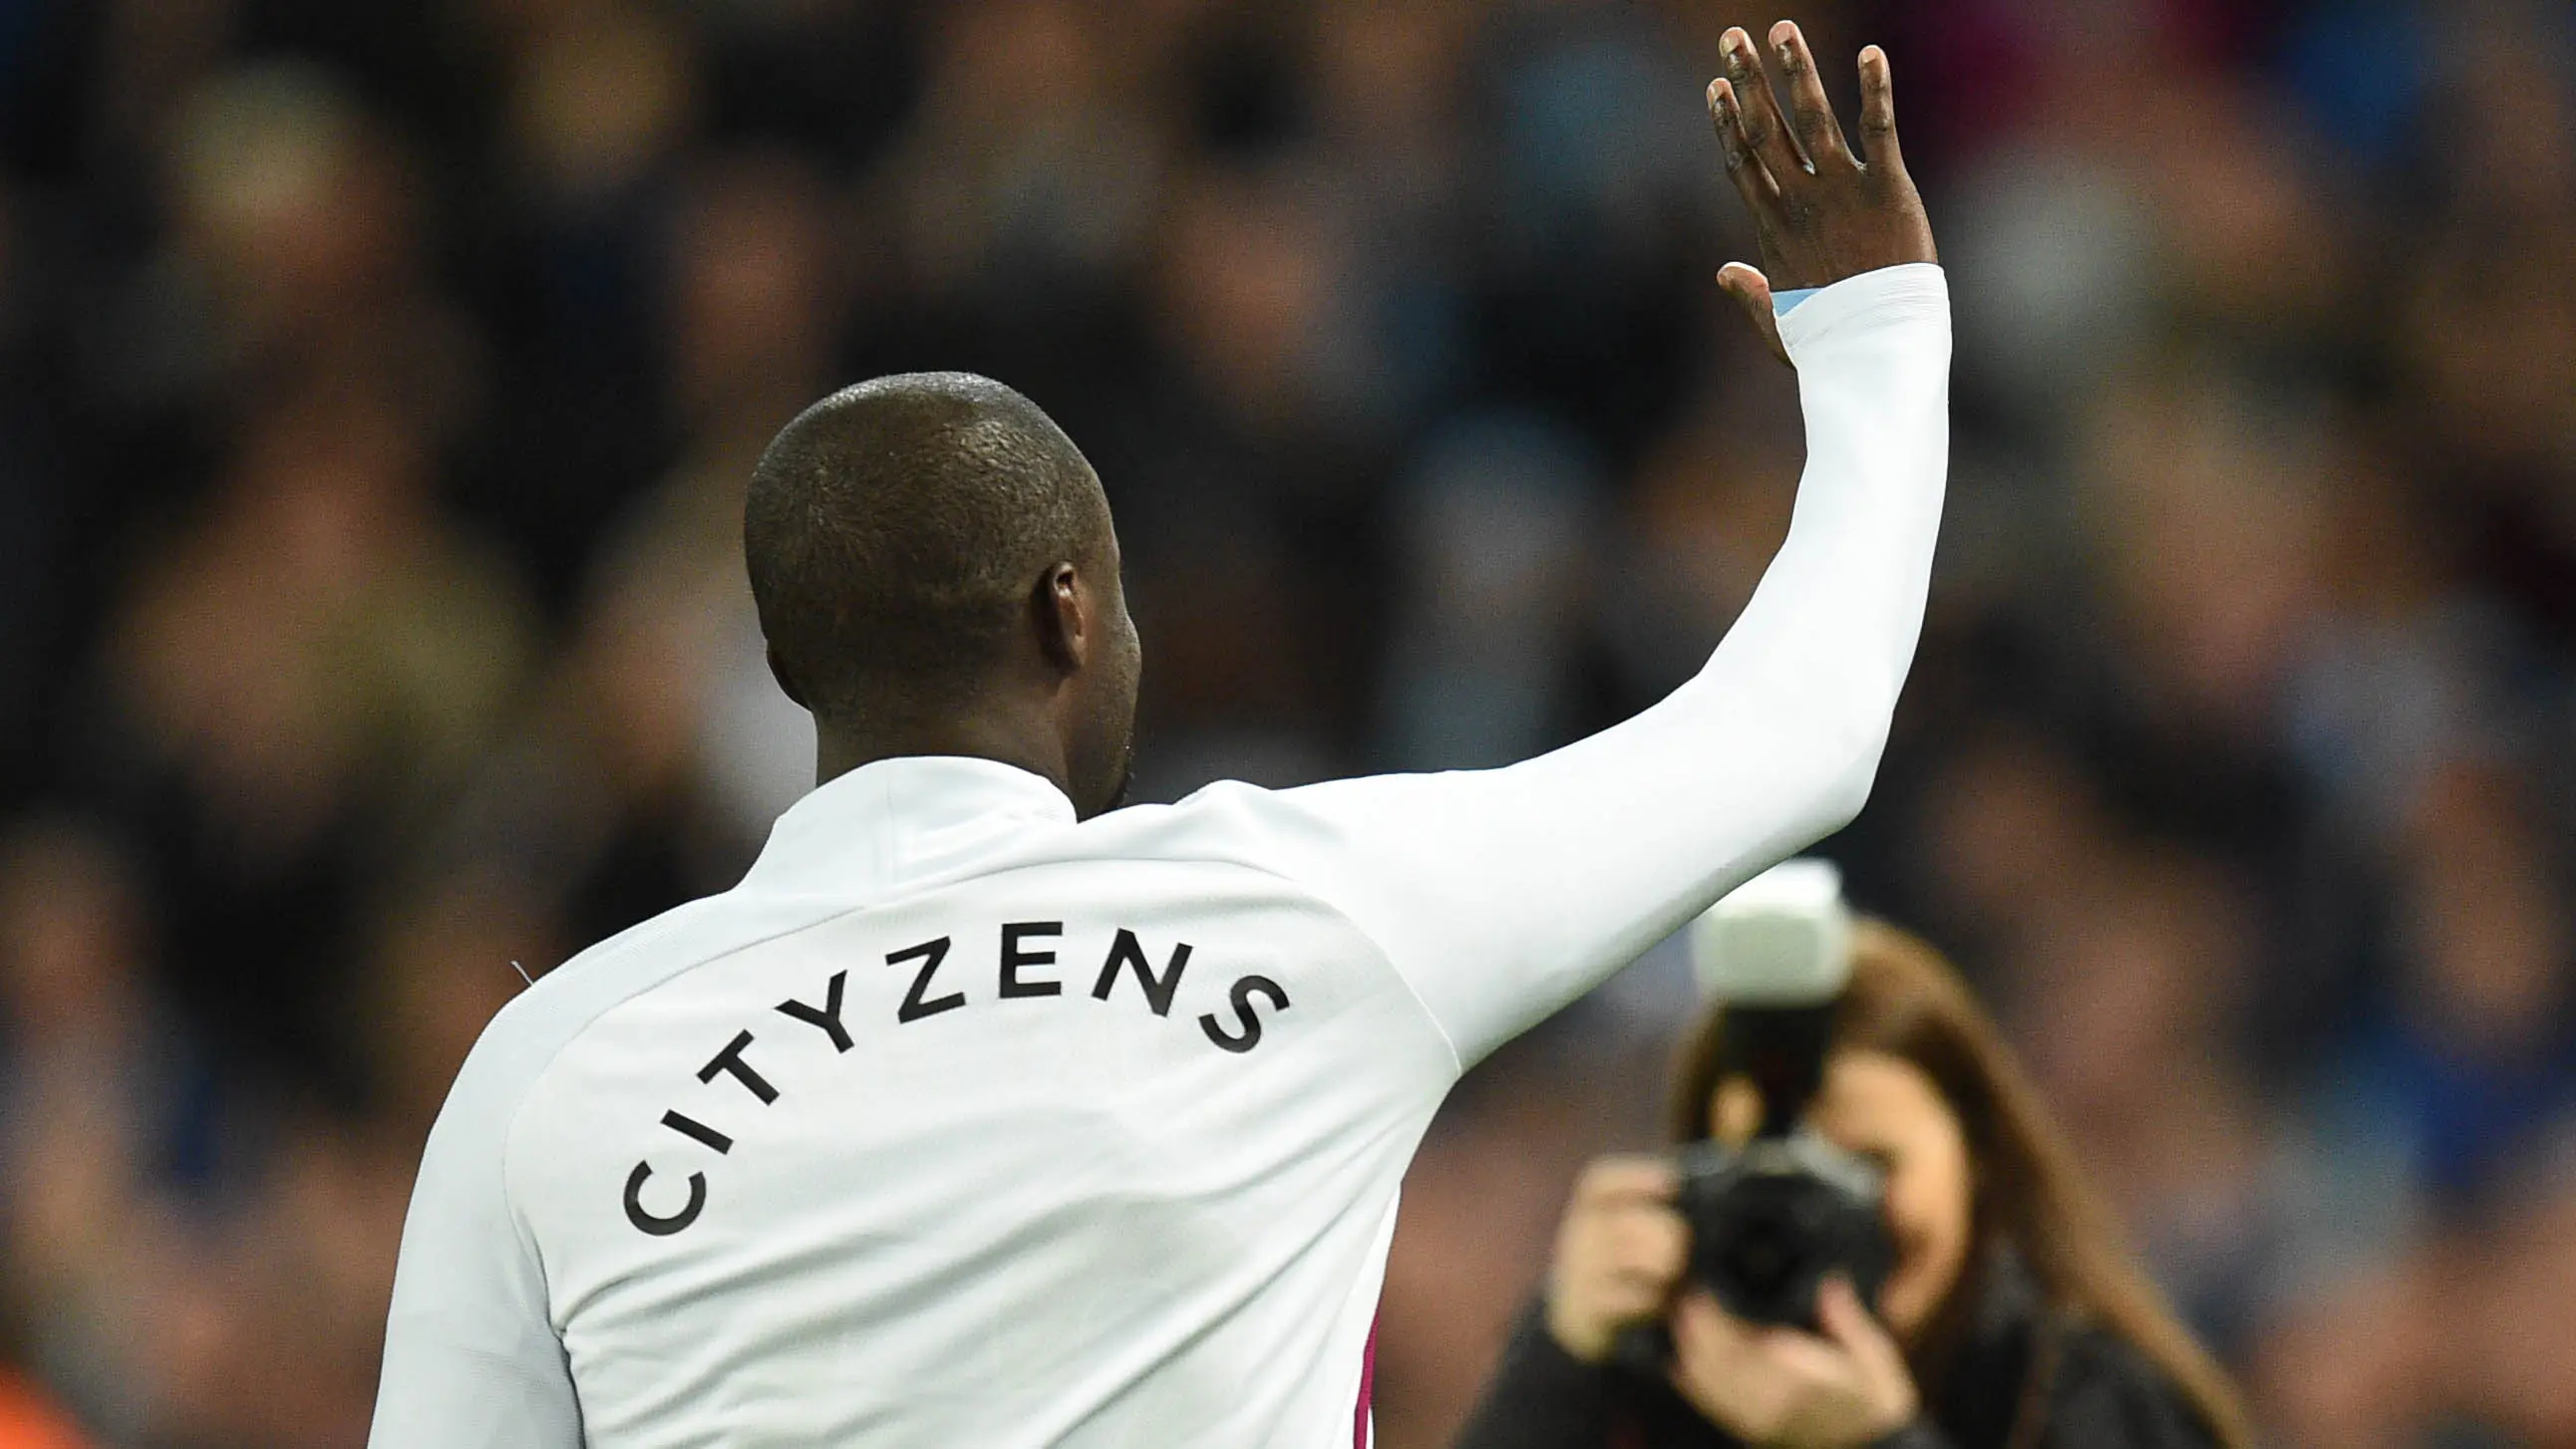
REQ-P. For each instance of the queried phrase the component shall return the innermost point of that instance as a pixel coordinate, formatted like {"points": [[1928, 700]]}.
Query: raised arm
{"points": [[1503, 894]]}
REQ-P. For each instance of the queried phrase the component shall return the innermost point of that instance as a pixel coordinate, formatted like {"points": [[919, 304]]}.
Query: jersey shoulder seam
{"points": [[528, 1090], [1385, 957], [1306, 891]]}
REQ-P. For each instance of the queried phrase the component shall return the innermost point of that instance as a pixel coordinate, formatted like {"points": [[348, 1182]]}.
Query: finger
{"points": [[1654, 1242], [1625, 1178], [1630, 1296], [1878, 112], [1709, 1369], [1840, 1313], [1752, 179], [1746, 284], [1752, 292], [1818, 130], [1710, 1337], [1758, 113]]}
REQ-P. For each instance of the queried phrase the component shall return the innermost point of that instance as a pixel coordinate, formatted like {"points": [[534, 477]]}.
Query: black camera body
{"points": [[1771, 1221]]}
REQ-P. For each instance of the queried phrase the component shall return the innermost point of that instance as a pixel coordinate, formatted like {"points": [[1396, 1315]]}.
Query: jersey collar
{"points": [[899, 818]]}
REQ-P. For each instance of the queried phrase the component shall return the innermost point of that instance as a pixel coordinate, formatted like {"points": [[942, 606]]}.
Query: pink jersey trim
{"points": [[1368, 1382]]}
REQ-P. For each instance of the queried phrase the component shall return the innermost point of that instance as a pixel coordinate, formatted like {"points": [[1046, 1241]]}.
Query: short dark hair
{"points": [[895, 531]]}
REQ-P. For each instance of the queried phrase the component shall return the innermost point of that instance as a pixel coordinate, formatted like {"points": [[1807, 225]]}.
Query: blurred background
{"points": [[381, 380]]}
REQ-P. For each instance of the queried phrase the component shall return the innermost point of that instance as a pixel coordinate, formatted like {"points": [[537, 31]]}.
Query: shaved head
{"points": [[904, 539]]}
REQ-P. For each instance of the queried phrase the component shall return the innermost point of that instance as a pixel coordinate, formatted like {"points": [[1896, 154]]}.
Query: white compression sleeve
{"points": [[1503, 894]]}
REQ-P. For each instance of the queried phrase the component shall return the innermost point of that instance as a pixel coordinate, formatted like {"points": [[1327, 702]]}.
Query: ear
{"points": [[1068, 628], [786, 681]]}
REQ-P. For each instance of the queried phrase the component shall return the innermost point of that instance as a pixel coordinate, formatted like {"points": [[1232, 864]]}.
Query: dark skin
{"points": [[1822, 211], [1061, 704]]}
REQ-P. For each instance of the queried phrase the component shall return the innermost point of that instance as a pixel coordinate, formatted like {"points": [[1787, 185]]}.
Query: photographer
{"points": [[2010, 1317]]}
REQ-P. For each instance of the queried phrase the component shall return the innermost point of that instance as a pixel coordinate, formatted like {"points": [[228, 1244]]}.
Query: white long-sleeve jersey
{"points": [[962, 1123]]}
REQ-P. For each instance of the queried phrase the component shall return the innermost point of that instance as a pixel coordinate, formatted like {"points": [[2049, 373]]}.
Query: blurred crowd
{"points": [[381, 381]]}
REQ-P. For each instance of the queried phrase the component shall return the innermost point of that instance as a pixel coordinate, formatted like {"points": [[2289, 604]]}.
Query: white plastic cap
{"points": [[1782, 938]]}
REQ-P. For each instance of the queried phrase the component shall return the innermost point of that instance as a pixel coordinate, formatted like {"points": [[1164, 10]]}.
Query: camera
{"points": [[1770, 1221]]}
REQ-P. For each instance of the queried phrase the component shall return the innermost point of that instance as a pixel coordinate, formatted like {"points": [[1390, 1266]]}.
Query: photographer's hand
{"points": [[1820, 211], [1618, 1253], [1781, 1388]]}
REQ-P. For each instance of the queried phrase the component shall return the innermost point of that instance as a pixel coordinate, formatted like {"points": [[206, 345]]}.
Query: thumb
{"points": [[1883, 1380], [1745, 284], [1752, 291], [1852, 1328], [1698, 1321]]}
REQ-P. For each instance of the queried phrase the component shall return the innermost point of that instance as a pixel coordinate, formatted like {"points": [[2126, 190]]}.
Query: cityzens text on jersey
{"points": [[1026, 959]]}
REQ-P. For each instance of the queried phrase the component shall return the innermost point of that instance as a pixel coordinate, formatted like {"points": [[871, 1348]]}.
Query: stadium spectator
{"points": [[2012, 1314]]}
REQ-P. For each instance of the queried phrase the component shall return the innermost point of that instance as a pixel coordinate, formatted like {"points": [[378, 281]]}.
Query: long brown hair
{"points": [[1905, 1001]]}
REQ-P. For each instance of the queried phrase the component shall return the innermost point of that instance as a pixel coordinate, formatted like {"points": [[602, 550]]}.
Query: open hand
{"points": [[1821, 212], [1783, 1388]]}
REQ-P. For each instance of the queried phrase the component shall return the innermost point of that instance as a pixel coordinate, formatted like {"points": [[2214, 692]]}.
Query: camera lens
{"points": [[1763, 1253], [1768, 1223]]}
